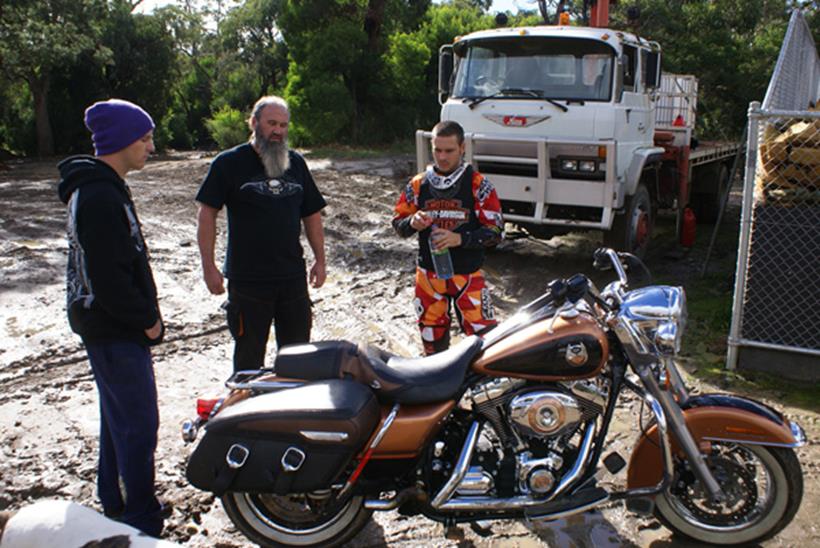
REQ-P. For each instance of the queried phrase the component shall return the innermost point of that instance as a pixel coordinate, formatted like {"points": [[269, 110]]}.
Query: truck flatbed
{"points": [[712, 151]]}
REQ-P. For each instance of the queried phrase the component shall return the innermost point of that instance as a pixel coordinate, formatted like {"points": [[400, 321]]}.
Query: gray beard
{"points": [[274, 156]]}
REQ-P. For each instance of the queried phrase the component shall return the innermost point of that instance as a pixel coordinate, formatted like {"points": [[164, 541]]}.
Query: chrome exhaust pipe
{"points": [[489, 503], [515, 503], [462, 465], [580, 463], [380, 505]]}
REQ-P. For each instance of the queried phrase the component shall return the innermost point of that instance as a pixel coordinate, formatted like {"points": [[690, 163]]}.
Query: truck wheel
{"points": [[706, 205], [631, 230]]}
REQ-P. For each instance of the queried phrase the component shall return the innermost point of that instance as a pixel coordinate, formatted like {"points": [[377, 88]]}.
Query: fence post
{"points": [[745, 235]]}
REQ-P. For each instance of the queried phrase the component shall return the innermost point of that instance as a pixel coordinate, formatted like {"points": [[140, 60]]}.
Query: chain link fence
{"points": [[777, 286]]}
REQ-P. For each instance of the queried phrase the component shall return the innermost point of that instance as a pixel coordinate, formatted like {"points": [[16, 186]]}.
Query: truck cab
{"points": [[562, 120]]}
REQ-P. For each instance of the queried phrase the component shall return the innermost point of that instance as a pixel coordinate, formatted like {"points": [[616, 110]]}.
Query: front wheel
{"points": [[314, 519], [763, 487], [632, 229]]}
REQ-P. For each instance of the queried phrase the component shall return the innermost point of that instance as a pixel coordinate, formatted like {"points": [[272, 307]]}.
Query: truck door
{"points": [[634, 120]]}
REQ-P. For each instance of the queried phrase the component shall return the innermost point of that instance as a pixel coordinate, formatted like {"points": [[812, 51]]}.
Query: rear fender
{"points": [[714, 417]]}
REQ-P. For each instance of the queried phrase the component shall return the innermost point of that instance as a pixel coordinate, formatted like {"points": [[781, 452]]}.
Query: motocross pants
{"points": [[465, 294]]}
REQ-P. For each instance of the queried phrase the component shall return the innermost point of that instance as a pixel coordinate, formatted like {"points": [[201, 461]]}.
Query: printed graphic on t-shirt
{"points": [[274, 188], [447, 214]]}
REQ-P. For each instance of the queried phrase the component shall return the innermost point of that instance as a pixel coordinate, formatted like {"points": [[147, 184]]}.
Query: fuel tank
{"points": [[547, 350]]}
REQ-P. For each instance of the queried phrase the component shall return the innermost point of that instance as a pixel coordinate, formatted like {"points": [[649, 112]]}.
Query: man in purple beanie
{"points": [[112, 304]]}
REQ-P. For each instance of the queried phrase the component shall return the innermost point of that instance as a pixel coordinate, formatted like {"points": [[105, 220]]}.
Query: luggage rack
{"points": [[247, 380]]}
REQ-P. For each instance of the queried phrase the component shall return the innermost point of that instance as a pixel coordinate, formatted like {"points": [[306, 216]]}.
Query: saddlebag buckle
{"points": [[293, 459], [236, 456]]}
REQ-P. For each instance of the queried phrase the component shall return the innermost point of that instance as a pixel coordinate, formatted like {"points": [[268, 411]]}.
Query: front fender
{"points": [[714, 417], [640, 158]]}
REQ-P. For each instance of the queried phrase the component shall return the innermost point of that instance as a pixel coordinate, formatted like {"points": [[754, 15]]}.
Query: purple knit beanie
{"points": [[115, 124]]}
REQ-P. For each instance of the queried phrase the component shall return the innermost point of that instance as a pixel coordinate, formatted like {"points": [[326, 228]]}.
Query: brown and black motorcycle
{"points": [[512, 424]]}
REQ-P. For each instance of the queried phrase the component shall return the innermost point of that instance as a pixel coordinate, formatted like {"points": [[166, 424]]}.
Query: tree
{"points": [[249, 33], [196, 69], [411, 62], [39, 36], [142, 62], [730, 45]]}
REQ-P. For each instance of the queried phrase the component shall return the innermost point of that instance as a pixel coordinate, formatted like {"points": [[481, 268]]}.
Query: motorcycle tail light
{"points": [[205, 406]]}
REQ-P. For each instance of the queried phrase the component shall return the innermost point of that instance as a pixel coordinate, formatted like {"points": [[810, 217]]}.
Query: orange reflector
{"points": [[601, 151], [204, 407]]}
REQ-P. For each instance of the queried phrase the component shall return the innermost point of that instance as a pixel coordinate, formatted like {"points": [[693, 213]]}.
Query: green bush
{"points": [[228, 127]]}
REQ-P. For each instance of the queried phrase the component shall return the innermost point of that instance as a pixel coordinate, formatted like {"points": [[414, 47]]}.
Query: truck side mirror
{"points": [[653, 69], [445, 71]]}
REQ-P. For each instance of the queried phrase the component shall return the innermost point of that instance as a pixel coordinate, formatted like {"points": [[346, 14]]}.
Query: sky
{"points": [[498, 5]]}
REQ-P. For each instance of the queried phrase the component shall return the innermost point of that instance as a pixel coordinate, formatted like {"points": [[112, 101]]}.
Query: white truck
{"points": [[577, 129]]}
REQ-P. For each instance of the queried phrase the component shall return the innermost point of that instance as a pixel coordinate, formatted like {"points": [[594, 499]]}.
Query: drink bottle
{"points": [[442, 261]]}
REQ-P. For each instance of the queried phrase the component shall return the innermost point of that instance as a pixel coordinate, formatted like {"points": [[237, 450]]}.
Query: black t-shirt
{"points": [[264, 214]]}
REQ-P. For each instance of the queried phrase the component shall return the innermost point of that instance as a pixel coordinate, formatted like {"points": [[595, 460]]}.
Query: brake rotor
{"points": [[738, 483]]}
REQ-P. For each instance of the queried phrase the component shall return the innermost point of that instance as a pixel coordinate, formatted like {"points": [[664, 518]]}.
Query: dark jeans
{"points": [[251, 309], [129, 420]]}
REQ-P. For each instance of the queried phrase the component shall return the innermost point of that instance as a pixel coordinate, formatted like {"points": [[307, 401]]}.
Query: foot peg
{"points": [[643, 506], [454, 532], [481, 528], [614, 463]]}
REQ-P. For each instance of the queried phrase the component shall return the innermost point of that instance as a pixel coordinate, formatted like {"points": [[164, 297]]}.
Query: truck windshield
{"points": [[556, 68]]}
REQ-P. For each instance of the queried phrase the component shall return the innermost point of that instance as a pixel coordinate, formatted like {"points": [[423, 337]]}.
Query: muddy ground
{"points": [[48, 402]]}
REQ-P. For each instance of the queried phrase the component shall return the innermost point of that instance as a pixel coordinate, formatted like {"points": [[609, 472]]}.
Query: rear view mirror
{"points": [[653, 69], [445, 71]]}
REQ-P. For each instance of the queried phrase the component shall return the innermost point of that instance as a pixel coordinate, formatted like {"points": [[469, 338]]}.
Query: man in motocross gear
{"points": [[450, 206]]}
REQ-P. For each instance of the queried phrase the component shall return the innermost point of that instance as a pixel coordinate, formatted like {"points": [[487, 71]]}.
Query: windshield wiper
{"points": [[506, 92]]}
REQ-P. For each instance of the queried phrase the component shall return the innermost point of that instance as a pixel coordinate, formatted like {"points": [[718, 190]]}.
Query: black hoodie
{"points": [[110, 289]]}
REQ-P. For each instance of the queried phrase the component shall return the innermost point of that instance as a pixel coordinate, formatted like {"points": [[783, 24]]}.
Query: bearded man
{"points": [[269, 193]]}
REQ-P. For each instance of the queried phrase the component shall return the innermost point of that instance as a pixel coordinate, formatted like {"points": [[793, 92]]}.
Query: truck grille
{"points": [[531, 170], [505, 168], [513, 207], [574, 213]]}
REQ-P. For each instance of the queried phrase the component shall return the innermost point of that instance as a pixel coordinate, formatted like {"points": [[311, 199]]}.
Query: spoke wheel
{"points": [[763, 488], [315, 519]]}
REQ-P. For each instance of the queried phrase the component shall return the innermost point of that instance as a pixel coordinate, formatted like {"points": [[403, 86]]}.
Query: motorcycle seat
{"points": [[396, 379]]}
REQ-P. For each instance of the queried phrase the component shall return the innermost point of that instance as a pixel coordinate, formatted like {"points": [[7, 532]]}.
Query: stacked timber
{"points": [[789, 164]]}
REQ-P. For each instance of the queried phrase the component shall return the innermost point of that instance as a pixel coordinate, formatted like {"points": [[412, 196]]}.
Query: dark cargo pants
{"points": [[251, 309]]}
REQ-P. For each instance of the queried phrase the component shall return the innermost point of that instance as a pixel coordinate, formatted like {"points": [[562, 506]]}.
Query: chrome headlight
{"points": [[659, 314]]}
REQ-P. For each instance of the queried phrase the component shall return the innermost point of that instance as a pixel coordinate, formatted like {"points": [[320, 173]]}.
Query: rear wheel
{"points": [[763, 487], [632, 229], [706, 202], [315, 519]]}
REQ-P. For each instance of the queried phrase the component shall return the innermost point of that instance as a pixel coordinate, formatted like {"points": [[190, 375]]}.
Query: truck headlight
{"points": [[569, 165], [586, 165]]}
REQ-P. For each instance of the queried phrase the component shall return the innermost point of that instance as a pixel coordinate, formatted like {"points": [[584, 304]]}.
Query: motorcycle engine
{"points": [[546, 413], [534, 425], [547, 420]]}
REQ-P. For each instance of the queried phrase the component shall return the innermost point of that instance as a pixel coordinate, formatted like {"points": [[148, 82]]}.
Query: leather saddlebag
{"points": [[291, 441]]}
